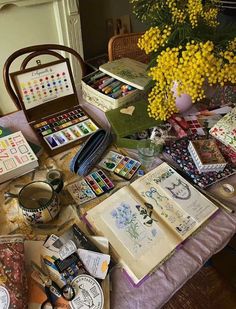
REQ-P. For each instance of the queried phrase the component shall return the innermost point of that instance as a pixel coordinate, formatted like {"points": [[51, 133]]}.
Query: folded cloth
{"points": [[91, 152], [13, 287]]}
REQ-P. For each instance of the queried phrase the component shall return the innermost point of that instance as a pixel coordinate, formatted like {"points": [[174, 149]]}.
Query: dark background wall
{"points": [[95, 15]]}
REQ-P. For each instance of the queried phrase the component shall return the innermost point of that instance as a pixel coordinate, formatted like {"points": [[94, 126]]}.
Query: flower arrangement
{"points": [[188, 47]]}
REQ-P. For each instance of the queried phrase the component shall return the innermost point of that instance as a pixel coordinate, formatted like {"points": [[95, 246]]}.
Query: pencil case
{"points": [[91, 152]]}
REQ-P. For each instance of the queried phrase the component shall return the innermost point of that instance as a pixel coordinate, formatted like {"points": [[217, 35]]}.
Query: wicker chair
{"points": [[125, 45]]}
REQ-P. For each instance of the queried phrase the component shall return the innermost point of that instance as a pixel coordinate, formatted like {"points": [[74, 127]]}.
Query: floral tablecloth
{"points": [[167, 279]]}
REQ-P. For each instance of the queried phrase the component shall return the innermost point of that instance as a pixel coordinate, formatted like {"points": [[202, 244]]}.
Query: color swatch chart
{"points": [[44, 84], [123, 166], [65, 128], [14, 152]]}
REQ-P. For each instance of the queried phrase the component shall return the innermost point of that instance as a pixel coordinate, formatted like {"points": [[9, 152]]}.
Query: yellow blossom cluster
{"points": [[153, 39], [190, 67], [210, 16], [232, 45], [195, 9], [178, 14]]}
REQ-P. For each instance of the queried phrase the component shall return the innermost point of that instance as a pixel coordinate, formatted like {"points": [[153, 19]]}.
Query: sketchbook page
{"points": [[182, 207], [140, 242]]}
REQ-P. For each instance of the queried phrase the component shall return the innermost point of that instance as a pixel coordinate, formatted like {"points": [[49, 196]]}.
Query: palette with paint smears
{"points": [[48, 97], [123, 166]]}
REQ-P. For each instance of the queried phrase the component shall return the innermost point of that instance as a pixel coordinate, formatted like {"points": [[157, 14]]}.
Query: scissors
{"points": [[52, 290]]}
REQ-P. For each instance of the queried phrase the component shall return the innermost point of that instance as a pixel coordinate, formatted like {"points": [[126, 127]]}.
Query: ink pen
{"points": [[116, 88], [99, 82], [97, 76], [112, 86], [116, 94], [106, 83]]}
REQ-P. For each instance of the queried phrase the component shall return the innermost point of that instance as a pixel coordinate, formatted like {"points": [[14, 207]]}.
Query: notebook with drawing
{"points": [[16, 157], [145, 221]]}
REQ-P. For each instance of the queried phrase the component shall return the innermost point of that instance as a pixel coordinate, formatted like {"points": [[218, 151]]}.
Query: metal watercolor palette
{"points": [[99, 182], [65, 128], [121, 165]]}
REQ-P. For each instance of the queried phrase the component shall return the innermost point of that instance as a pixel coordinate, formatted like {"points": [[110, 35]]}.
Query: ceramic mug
{"points": [[39, 201]]}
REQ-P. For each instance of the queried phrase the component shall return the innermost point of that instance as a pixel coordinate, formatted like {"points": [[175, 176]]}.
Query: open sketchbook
{"points": [[145, 221]]}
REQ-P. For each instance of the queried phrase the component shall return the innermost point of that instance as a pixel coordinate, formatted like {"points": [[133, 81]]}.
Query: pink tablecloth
{"points": [[185, 262]]}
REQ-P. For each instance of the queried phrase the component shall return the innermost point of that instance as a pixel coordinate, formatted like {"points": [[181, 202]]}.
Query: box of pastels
{"points": [[49, 100], [116, 83]]}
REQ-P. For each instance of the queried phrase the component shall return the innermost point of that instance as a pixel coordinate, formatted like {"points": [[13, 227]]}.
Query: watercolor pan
{"points": [[62, 129], [99, 182]]}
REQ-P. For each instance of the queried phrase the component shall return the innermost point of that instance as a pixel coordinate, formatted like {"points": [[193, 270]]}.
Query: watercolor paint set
{"points": [[122, 166], [49, 100], [91, 186], [65, 128]]}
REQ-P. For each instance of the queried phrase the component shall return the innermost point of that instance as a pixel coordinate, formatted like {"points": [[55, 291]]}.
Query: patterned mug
{"points": [[39, 201]]}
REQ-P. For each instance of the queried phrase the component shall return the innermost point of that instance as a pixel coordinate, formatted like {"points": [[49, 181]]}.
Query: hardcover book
{"points": [[145, 221], [225, 131], [16, 157]]}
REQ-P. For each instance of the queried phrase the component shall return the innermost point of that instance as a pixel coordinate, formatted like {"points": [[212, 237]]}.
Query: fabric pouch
{"points": [[91, 152], [13, 282]]}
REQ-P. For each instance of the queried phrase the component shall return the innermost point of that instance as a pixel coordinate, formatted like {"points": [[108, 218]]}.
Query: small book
{"points": [[206, 155], [225, 129], [16, 157], [37, 149], [146, 221], [178, 151]]}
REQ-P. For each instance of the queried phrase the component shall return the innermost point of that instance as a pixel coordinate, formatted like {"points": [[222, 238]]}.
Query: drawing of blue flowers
{"points": [[154, 232], [123, 215]]}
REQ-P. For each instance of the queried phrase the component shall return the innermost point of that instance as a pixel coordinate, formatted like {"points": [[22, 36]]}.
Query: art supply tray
{"points": [[49, 100], [124, 72]]}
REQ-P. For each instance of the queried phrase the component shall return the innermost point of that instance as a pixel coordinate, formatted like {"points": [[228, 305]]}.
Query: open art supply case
{"points": [[129, 72], [48, 97]]}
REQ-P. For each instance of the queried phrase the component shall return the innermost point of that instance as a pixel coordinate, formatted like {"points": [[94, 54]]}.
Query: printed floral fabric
{"points": [[12, 270], [178, 150]]}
